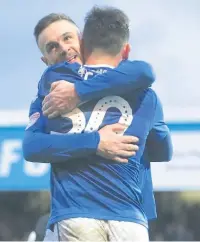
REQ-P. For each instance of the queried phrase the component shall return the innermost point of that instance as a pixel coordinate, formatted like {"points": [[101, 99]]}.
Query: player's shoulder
{"points": [[57, 72], [151, 92], [154, 95], [150, 96], [61, 67], [136, 64], [148, 92], [155, 100]]}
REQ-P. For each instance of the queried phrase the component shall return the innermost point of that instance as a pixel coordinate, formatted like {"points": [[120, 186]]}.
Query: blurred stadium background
{"points": [[164, 33]]}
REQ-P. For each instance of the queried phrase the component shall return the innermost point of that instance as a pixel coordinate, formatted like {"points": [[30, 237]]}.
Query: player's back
{"points": [[93, 186]]}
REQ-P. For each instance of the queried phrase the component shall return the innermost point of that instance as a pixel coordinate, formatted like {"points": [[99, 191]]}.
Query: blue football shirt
{"points": [[96, 187], [39, 147]]}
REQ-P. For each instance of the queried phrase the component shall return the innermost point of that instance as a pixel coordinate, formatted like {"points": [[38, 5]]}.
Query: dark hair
{"points": [[106, 28], [49, 19]]}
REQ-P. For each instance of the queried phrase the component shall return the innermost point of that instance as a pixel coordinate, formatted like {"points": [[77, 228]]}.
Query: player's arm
{"points": [[159, 144], [39, 146], [65, 96]]}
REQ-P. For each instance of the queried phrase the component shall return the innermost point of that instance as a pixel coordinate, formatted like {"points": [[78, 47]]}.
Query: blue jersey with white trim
{"points": [[96, 187]]}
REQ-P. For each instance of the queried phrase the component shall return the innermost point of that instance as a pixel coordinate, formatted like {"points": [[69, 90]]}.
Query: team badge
{"points": [[82, 71]]}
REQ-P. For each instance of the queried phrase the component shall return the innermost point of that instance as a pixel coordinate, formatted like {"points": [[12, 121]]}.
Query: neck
{"points": [[101, 58]]}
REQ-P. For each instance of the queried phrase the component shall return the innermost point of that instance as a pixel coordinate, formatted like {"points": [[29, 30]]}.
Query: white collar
{"points": [[100, 65]]}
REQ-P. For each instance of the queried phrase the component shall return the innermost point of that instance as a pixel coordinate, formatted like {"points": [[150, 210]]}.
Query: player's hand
{"points": [[114, 146], [61, 99]]}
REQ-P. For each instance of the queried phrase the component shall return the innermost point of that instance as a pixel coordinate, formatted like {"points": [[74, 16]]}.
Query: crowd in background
{"points": [[178, 219]]}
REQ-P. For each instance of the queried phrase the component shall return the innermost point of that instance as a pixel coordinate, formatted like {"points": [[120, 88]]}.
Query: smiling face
{"points": [[60, 41]]}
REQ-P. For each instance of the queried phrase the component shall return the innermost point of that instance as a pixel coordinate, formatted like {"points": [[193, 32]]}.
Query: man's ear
{"points": [[44, 60], [125, 52]]}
